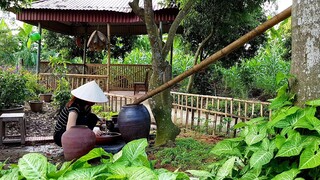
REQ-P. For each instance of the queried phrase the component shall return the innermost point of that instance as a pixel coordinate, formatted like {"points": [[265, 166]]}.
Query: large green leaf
{"points": [[313, 102], [94, 153], [252, 175], [226, 169], [260, 158], [87, 173], [134, 149], [309, 158], [33, 166], [200, 173], [287, 175], [225, 148], [282, 116], [12, 174], [292, 147], [254, 138], [139, 173], [280, 140]]}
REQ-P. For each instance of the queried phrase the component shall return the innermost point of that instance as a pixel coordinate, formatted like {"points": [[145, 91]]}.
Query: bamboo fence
{"points": [[214, 115]]}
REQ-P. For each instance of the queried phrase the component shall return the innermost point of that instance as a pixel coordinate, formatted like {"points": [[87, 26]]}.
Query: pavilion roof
{"points": [[99, 5], [82, 17]]}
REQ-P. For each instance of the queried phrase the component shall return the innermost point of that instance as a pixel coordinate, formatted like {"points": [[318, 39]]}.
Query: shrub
{"points": [[13, 89]]}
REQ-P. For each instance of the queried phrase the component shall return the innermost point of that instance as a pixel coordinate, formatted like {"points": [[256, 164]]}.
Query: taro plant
{"points": [[130, 163], [284, 147]]}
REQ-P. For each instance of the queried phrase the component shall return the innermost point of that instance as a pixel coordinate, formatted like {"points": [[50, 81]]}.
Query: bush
{"points": [[13, 89]]}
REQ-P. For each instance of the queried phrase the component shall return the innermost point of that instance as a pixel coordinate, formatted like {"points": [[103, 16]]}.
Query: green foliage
{"points": [[13, 88], [284, 147], [34, 88], [256, 77], [61, 94], [186, 154], [130, 163], [99, 111], [228, 20], [15, 4], [8, 44], [140, 53]]}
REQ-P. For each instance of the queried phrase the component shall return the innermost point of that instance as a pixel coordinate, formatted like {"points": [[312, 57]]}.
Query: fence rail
{"points": [[116, 101], [122, 76], [214, 115], [75, 80]]}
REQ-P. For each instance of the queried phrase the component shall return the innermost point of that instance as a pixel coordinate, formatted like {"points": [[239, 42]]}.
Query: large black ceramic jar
{"points": [[134, 122]]}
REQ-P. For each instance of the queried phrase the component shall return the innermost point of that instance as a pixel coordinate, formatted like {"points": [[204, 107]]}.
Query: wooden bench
{"points": [[18, 118], [141, 85]]}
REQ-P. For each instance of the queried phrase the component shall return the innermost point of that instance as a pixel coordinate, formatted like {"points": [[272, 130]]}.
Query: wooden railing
{"points": [[116, 101], [75, 80], [214, 115], [122, 76], [72, 68]]}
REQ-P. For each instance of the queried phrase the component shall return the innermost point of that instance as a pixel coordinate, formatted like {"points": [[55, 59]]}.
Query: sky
{"points": [[283, 4]]}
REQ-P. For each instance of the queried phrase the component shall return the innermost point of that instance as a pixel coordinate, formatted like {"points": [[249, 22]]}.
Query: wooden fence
{"points": [[75, 80], [122, 76], [214, 115], [205, 114], [116, 101]]}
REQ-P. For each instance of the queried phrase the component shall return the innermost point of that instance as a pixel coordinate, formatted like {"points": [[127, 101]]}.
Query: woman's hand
{"points": [[97, 131]]}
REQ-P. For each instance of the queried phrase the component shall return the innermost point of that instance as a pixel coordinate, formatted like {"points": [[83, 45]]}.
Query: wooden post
{"points": [[109, 58], [84, 55], [39, 50], [216, 56]]}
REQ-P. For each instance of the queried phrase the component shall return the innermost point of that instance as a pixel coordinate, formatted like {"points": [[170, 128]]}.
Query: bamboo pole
{"points": [[223, 52]]}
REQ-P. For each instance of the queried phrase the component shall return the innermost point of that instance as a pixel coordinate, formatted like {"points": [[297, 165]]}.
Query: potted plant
{"points": [[13, 91], [35, 104], [46, 95]]}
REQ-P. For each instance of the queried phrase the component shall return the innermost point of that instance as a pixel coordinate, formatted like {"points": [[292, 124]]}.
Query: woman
{"points": [[78, 110]]}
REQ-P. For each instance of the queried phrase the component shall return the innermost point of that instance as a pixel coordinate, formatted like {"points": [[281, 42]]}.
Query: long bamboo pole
{"points": [[221, 53]]}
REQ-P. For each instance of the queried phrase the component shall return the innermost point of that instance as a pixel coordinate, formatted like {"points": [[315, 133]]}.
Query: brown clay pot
{"points": [[45, 97], [36, 106], [77, 141], [134, 122]]}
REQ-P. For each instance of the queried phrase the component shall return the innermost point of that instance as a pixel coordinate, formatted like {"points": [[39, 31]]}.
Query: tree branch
{"points": [[152, 29], [173, 29], [136, 9]]}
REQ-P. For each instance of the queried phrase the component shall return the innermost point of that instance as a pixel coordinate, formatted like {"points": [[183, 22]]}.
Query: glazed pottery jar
{"points": [[134, 122]]}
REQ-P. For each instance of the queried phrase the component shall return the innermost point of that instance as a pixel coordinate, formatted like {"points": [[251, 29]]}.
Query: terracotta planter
{"points": [[45, 97], [36, 106], [134, 122], [77, 141]]}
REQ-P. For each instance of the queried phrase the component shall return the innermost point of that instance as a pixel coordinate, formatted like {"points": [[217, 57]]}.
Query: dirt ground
{"points": [[42, 124]]}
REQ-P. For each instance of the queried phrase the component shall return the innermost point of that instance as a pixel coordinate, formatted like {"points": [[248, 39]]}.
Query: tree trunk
{"points": [[161, 104], [305, 50]]}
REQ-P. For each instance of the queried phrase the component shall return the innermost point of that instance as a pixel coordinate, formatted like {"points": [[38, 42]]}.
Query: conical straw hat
{"points": [[90, 92]]}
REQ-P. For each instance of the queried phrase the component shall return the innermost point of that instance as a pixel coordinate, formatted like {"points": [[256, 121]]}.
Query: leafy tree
{"points": [[15, 4], [9, 44], [213, 24]]}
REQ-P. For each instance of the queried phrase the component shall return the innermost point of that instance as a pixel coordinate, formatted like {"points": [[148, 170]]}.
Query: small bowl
{"points": [[107, 138]]}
